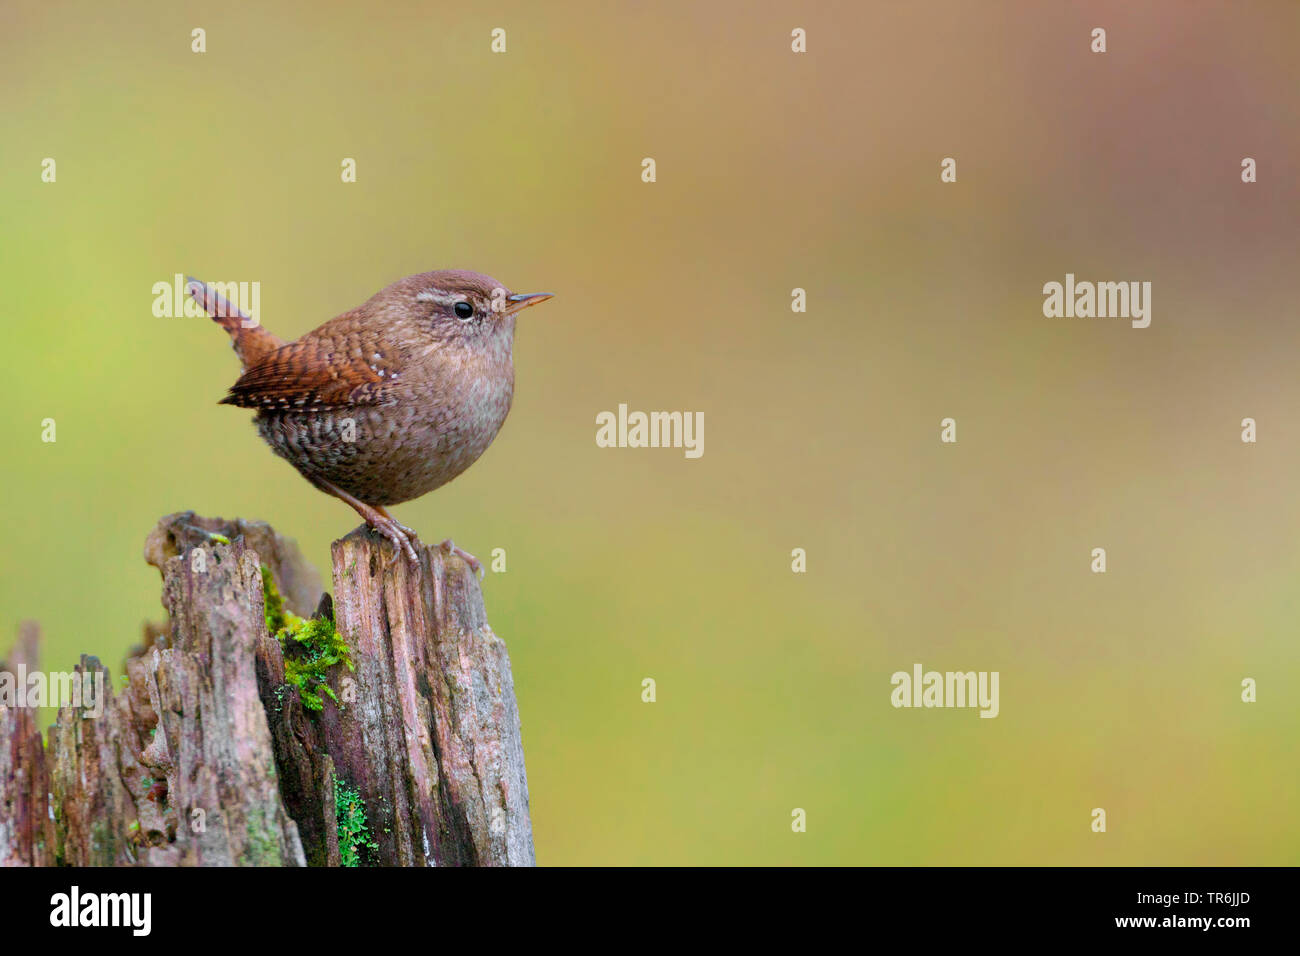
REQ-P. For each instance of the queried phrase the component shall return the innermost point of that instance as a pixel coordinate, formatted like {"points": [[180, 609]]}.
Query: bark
{"points": [[26, 830], [207, 755], [432, 737]]}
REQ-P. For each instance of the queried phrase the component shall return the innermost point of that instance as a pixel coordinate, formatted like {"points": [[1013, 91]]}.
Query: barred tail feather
{"points": [[251, 342]]}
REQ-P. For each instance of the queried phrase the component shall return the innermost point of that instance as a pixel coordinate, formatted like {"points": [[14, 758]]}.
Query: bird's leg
{"points": [[403, 538]]}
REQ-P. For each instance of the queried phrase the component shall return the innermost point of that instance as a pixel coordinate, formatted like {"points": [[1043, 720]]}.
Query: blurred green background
{"points": [[775, 170]]}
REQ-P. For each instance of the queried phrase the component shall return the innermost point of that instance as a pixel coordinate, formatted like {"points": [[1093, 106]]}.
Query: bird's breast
{"points": [[427, 433]]}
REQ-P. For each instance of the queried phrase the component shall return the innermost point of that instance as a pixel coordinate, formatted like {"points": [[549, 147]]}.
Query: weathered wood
{"points": [[26, 829], [209, 756], [297, 581], [213, 744], [432, 735]]}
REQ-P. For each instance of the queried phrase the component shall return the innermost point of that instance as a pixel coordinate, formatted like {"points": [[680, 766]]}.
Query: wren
{"points": [[390, 400]]}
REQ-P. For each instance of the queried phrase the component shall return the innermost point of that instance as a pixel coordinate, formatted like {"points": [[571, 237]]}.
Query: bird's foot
{"points": [[404, 539], [474, 564]]}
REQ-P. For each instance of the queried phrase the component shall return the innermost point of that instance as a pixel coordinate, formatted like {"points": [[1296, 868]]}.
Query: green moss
{"points": [[320, 648], [354, 830], [311, 646], [277, 617]]}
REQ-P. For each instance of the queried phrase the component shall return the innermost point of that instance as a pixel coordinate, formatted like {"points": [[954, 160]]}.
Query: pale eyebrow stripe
{"points": [[438, 296]]}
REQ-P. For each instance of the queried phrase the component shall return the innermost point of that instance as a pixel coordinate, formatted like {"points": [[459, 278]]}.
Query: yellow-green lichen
{"points": [[311, 646], [262, 847]]}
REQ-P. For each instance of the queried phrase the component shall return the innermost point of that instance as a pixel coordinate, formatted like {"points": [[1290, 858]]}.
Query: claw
{"points": [[474, 564], [403, 538]]}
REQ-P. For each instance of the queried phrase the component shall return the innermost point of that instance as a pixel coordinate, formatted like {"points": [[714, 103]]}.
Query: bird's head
{"points": [[455, 306]]}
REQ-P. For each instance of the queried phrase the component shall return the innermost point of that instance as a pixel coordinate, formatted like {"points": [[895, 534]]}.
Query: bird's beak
{"points": [[516, 303]]}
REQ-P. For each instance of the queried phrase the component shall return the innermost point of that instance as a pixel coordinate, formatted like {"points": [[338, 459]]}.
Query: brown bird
{"points": [[390, 400]]}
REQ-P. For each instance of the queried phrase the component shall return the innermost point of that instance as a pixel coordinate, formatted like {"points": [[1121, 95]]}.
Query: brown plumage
{"points": [[389, 400]]}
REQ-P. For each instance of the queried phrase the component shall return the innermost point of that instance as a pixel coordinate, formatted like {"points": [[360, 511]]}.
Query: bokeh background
{"points": [[775, 170]]}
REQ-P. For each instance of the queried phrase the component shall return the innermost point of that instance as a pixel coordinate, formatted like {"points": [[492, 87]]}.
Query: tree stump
{"points": [[399, 744]]}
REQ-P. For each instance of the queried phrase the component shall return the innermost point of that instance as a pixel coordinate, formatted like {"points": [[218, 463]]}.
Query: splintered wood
{"points": [[208, 755]]}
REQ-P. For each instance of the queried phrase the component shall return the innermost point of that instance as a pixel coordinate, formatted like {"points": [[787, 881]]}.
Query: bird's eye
{"points": [[464, 310]]}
